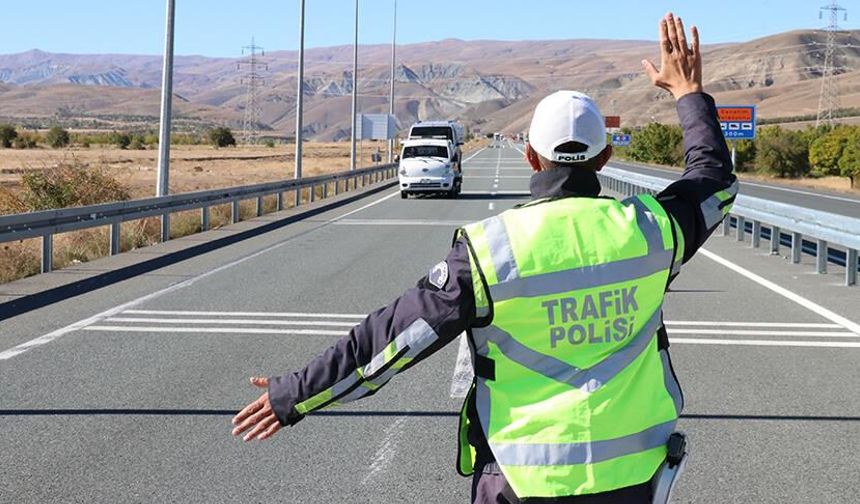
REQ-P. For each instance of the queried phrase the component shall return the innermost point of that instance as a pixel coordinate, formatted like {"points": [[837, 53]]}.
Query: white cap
{"points": [[567, 116]]}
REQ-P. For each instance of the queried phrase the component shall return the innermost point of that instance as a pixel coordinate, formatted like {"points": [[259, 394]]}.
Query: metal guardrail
{"points": [[46, 224], [777, 222]]}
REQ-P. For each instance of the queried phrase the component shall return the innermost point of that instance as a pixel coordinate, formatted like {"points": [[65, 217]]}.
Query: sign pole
{"points": [[162, 184], [734, 154], [352, 164], [300, 96]]}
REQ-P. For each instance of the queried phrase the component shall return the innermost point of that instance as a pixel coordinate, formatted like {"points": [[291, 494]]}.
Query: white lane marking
{"points": [[214, 330], [678, 173], [768, 343], [461, 381], [387, 449], [506, 177], [308, 323], [473, 155], [53, 335], [797, 191], [492, 206], [751, 324], [782, 291], [244, 314], [399, 222], [731, 332]]}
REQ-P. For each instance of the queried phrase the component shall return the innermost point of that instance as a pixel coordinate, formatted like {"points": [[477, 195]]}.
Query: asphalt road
{"points": [[125, 394], [826, 201]]}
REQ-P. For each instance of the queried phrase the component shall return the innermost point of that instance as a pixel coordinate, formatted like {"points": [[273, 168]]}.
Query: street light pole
{"points": [[391, 97], [352, 163], [162, 184], [300, 98]]}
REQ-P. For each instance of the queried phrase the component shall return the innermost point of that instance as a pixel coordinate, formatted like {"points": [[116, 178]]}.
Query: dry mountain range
{"points": [[490, 85]]}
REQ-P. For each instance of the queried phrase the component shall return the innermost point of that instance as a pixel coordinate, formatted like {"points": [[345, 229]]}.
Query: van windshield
{"points": [[433, 132], [425, 151]]}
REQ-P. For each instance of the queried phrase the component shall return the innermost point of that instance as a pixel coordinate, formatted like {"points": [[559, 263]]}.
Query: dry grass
{"points": [[192, 168]]}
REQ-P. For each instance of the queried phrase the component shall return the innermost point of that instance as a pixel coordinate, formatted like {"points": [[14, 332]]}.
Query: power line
{"points": [[828, 99], [251, 66]]}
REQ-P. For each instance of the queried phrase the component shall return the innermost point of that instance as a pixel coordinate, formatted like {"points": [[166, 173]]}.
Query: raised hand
{"points": [[257, 416], [681, 65]]}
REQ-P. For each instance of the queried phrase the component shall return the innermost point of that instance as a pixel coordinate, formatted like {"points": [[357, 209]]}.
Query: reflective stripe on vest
{"points": [[573, 329]]}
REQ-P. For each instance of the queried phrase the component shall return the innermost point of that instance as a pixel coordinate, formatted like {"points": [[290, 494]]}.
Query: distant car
{"points": [[429, 166]]}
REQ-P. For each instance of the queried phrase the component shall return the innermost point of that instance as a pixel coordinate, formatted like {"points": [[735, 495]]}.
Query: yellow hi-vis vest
{"points": [[579, 399]]}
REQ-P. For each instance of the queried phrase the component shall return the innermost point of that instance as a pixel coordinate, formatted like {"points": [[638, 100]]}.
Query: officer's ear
{"points": [[532, 158], [603, 158]]}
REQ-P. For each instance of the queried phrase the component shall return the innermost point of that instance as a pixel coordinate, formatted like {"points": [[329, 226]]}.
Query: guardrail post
{"points": [[325, 191], [850, 267], [298, 197], [204, 218], [727, 225], [114, 238], [336, 187], [742, 228], [821, 257], [234, 211], [259, 206], [775, 237], [313, 193], [796, 247], [280, 201], [165, 227], [756, 234], [47, 253]]}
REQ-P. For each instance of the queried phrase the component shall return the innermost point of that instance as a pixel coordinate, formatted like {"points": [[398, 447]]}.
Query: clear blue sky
{"points": [[221, 27]]}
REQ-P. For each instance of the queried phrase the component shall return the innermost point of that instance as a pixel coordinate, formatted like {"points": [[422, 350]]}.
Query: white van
{"points": [[429, 166], [451, 131]]}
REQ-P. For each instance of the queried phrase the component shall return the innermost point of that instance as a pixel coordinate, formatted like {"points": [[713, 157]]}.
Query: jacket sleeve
{"points": [[704, 194], [390, 340]]}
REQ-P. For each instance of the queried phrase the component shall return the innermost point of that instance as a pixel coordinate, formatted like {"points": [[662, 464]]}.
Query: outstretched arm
{"points": [[390, 340], [703, 196]]}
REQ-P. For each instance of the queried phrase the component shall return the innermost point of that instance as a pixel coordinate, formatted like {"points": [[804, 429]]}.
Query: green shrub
{"points": [[58, 138], [222, 137], [70, 185], [121, 140], [7, 135]]}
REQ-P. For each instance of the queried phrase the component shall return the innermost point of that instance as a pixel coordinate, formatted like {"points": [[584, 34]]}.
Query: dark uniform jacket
{"points": [[450, 310]]}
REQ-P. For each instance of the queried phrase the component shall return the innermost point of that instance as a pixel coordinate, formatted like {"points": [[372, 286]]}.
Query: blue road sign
{"points": [[620, 140], [737, 122]]}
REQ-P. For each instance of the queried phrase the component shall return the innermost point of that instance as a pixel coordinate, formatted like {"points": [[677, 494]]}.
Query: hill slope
{"points": [[490, 85]]}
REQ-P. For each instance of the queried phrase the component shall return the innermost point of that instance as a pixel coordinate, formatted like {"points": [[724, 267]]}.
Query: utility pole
{"points": [[162, 184], [252, 80], [300, 94], [391, 95], [828, 99], [352, 160]]}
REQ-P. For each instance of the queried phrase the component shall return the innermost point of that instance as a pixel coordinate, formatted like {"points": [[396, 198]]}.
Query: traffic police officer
{"points": [[574, 397]]}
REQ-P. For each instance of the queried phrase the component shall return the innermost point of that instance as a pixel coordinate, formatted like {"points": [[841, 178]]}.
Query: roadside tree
{"points": [[658, 143], [781, 152]]}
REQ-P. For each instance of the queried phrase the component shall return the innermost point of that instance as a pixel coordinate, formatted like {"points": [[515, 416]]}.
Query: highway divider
{"points": [[831, 238]]}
